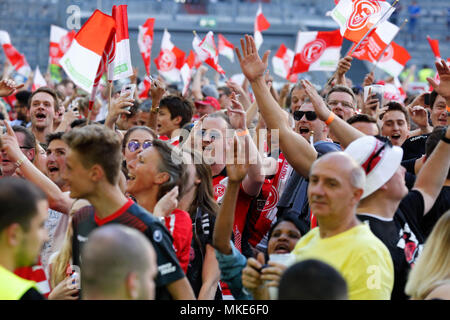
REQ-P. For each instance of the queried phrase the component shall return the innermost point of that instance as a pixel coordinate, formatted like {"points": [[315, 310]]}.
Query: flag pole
{"points": [[350, 52], [389, 44]]}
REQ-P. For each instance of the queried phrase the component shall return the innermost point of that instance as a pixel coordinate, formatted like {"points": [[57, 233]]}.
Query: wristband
{"points": [[330, 119], [20, 162], [445, 139], [242, 133]]}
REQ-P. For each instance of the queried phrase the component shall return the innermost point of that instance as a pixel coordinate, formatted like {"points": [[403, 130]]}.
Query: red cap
{"points": [[209, 101]]}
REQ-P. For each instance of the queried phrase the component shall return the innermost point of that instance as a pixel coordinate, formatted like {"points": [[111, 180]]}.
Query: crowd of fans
{"points": [[232, 191]]}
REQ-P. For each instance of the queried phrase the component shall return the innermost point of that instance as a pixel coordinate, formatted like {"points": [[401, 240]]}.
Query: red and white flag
{"points": [[60, 41], [120, 67], [356, 17], [372, 47], [261, 24], [200, 55], [143, 88], [208, 45], [186, 71], [226, 48], [434, 44], [86, 59], [170, 59], [16, 59], [145, 42], [282, 61], [394, 59], [38, 80], [317, 51]]}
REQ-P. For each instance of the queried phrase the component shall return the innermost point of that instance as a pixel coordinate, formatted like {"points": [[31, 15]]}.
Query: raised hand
{"points": [[344, 65], [368, 79], [237, 170], [237, 114], [371, 105], [251, 64], [10, 144], [240, 94], [419, 115], [8, 87], [157, 90], [319, 105], [443, 88]]}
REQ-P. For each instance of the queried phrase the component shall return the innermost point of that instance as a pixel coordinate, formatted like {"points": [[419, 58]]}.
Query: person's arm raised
{"points": [[57, 199], [291, 144], [343, 132], [223, 227], [343, 66]]}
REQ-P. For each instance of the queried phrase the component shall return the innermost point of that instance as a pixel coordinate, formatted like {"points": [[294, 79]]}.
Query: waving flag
{"points": [[85, 60], [208, 45], [145, 42], [372, 47], [394, 59], [434, 44], [226, 48], [356, 17], [200, 54], [170, 59], [317, 50], [38, 80], [60, 41], [261, 24], [143, 88], [282, 61], [16, 59], [119, 66], [186, 71]]}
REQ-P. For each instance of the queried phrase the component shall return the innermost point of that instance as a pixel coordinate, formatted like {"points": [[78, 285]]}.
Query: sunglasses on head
{"points": [[310, 115], [133, 145]]}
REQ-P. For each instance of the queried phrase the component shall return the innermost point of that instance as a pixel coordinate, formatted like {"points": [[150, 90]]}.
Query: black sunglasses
{"points": [[133, 145], [310, 115]]}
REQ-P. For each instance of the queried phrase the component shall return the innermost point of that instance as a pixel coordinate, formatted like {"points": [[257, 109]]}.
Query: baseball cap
{"points": [[380, 160], [210, 91], [209, 101]]}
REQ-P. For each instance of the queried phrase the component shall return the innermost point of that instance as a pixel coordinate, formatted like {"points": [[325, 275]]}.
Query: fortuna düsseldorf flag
{"points": [[226, 48], [170, 59], [145, 42], [186, 71], [372, 47], [208, 45], [38, 80], [317, 51], [394, 59], [143, 88], [200, 55], [60, 41], [282, 61], [434, 44], [261, 24], [120, 67], [356, 17], [16, 59], [85, 60]]}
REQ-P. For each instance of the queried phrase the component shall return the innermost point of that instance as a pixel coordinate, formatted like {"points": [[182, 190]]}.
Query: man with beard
{"points": [[43, 107]]}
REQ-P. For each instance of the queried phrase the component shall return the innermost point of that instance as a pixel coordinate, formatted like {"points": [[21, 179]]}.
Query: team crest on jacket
{"points": [[409, 243]]}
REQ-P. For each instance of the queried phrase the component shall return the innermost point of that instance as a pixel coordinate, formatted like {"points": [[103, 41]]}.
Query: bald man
{"points": [[118, 263], [336, 184]]}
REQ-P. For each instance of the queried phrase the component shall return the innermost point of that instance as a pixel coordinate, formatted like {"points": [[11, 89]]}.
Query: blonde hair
{"points": [[433, 266], [62, 259]]}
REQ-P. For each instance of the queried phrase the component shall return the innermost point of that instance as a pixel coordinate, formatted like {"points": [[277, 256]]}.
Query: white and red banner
{"points": [[434, 44], [282, 61], [170, 59], [372, 47], [317, 51], [86, 59], [38, 80], [394, 59], [16, 59], [120, 66], [394, 91], [261, 24], [208, 45], [145, 42], [226, 48], [143, 88], [60, 41], [186, 71], [356, 17]]}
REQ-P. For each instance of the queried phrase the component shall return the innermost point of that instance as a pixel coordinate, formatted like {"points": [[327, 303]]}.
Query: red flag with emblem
{"points": [[261, 24], [145, 42], [170, 59], [16, 59]]}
